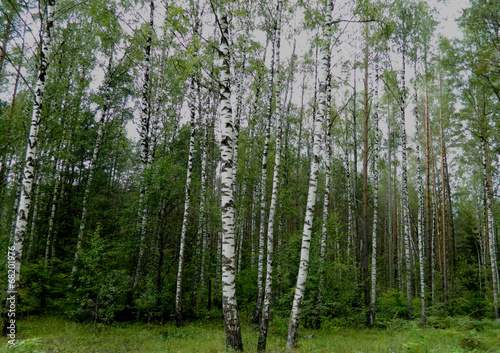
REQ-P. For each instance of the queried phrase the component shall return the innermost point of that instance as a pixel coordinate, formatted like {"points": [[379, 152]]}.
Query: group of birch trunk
{"points": [[215, 116]]}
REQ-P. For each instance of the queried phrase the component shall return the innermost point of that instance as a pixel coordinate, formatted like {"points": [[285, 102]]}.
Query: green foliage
{"points": [[30, 345], [98, 291]]}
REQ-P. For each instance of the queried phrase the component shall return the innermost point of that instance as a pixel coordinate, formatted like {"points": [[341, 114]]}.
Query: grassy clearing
{"points": [[452, 335]]}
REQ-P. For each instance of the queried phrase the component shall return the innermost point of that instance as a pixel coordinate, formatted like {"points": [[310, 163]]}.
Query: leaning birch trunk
{"points": [[405, 210], [144, 138], [15, 251], [490, 224], [423, 318], [229, 304], [187, 193], [264, 325], [375, 205], [293, 327], [257, 314]]}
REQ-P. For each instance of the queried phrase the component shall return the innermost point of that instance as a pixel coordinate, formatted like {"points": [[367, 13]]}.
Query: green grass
{"points": [[453, 335]]}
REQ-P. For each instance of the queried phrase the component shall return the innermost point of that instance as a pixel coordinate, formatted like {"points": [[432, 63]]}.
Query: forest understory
{"points": [[49, 334]]}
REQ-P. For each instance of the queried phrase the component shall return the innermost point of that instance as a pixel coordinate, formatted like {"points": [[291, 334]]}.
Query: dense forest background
{"points": [[327, 162]]}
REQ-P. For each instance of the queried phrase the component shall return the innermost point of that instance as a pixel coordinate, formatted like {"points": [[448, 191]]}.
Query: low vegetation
{"points": [[447, 335]]}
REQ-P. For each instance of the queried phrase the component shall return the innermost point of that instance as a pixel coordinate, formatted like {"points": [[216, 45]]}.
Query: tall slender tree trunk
{"points": [[423, 318], [364, 236], [490, 224], [257, 314], [261, 346], [375, 204], [427, 180], [356, 247], [443, 195], [293, 327], [144, 138], [14, 255], [406, 205], [229, 304], [203, 233], [389, 203], [187, 200]]}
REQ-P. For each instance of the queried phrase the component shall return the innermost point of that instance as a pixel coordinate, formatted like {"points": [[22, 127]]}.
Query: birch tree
{"points": [[15, 251], [274, 193], [187, 200], [144, 138], [375, 207], [293, 327], [229, 304]]}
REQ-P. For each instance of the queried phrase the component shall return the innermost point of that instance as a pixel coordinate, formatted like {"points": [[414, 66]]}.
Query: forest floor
{"points": [[447, 335]]}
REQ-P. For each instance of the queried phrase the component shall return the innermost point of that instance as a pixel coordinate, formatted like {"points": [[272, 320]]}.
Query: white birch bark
{"points": [[187, 200], [421, 257], [311, 195], [491, 231], [406, 209], [329, 153], [202, 227], [229, 303], [264, 325], [389, 203], [145, 141], [375, 204], [257, 315], [15, 251]]}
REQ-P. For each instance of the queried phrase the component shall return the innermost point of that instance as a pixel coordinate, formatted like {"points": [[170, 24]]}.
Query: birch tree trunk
{"points": [[203, 219], [328, 162], [229, 304], [293, 327], [364, 235], [490, 225], [375, 204], [389, 203], [261, 346], [144, 138], [187, 200], [15, 251], [421, 257], [406, 206], [257, 314], [428, 206]]}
